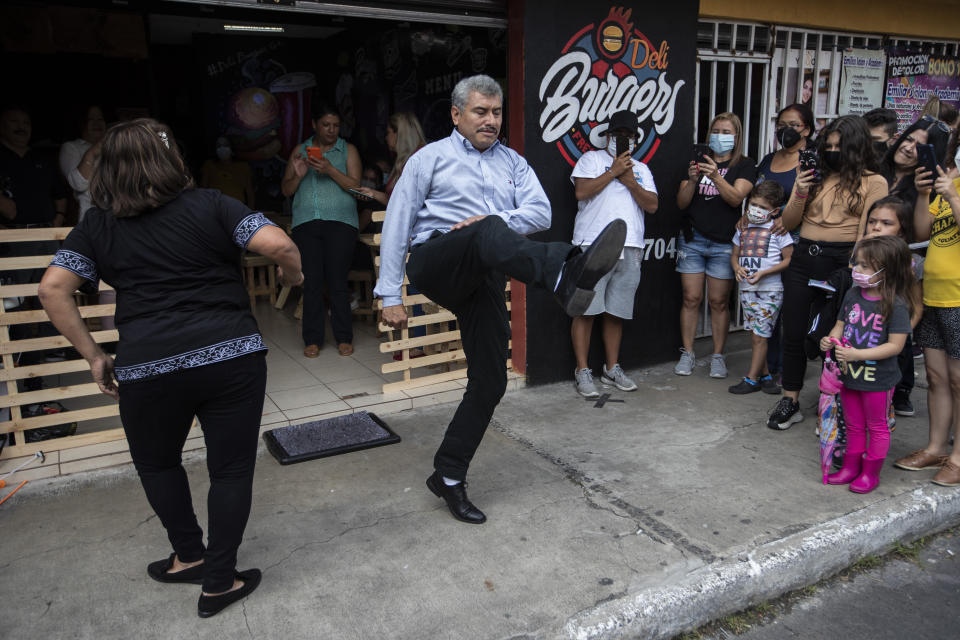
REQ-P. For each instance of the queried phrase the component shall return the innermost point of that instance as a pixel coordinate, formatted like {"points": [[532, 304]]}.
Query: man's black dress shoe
{"points": [[212, 605], [456, 499], [582, 272], [159, 571]]}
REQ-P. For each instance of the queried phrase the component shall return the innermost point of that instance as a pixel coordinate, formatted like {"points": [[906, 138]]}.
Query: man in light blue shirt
{"points": [[460, 207]]}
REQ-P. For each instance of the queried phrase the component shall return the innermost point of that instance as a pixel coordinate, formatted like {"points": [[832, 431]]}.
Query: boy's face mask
{"points": [[757, 214]]}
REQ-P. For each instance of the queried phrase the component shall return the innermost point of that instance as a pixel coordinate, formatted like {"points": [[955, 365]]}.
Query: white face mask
{"points": [[956, 159], [224, 153], [758, 215], [612, 146]]}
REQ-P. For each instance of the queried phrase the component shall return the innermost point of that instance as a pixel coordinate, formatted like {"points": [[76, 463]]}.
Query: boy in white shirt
{"points": [[758, 257], [611, 185]]}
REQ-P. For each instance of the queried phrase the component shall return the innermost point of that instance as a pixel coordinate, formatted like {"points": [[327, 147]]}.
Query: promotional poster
{"points": [[912, 77], [582, 66]]}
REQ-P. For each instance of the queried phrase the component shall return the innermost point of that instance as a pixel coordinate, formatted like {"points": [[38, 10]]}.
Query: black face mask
{"points": [[787, 137], [831, 160], [881, 148]]}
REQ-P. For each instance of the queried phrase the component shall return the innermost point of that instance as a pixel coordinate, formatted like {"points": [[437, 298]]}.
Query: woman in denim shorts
{"points": [[711, 199]]}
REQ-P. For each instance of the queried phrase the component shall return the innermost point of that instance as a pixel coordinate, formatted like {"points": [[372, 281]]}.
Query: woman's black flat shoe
{"points": [[159, 571], [212, 605]]}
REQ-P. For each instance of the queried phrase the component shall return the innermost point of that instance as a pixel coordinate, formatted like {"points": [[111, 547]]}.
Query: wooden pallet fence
{"points": [[432, 358], [67, 382]]}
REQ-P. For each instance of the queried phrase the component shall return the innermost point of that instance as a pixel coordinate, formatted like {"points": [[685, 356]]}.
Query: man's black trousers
{"points": [[464, 270]]}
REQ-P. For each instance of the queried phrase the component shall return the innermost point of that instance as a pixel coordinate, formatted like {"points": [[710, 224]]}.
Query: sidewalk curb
{"points": [[768, 571]]}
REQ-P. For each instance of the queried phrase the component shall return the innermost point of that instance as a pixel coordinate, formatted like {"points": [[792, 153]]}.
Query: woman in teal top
{"points": [[318, 175]]}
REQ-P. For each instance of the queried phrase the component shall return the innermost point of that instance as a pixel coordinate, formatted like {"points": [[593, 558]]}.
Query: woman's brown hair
{"points": [[891, 254], [140, 169]]}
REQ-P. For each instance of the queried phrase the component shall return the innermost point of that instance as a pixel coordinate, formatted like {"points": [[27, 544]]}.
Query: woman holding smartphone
{"points": [[711, 199], [404, 137], [831, 216], [903, 158], [319, 174]]}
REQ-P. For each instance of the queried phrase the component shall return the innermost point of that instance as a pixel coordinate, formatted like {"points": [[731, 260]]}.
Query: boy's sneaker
{"points": [[718, 366], [902, 405], [617, 378], [686, 364], [769, 385], [744, 386], [584, 384], [784, 414]]}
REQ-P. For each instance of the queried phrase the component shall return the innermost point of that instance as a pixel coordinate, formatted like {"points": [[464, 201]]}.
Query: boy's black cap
{"points": [[624, 120]]}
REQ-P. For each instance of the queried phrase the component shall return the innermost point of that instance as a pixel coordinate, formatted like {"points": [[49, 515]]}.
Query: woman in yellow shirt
{"points": [[939, 329]]}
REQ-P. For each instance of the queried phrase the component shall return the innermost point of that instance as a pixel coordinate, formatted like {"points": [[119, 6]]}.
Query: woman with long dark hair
{"points": [[900, 162], [189, 345], [830, 210]]}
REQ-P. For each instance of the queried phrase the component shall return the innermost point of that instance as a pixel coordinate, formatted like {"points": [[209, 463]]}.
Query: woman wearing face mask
{"points": [[795, 128], [900, 162], [229, 177], [831, 216], [711, 199]]}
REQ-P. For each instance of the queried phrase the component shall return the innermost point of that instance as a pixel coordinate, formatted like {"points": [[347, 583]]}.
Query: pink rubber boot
{"points": [[869, 478], [850, 471]]}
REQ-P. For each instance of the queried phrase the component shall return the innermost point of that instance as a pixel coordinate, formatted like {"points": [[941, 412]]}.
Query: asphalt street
{"points": [[905, 597]]}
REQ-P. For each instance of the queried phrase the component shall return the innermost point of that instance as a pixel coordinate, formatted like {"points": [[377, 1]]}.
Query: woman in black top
{"points": [[189, 345], [711, 198]]}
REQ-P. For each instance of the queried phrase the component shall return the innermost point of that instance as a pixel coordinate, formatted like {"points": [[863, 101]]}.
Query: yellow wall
{"points": [[929, 19]]}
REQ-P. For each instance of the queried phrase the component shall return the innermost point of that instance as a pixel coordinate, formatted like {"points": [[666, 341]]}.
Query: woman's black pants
{"points": [[810, 261], [227, 398], [326, 248]]}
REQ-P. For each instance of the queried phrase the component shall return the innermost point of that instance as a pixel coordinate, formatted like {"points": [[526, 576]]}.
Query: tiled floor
{"points": [[300, 389]]}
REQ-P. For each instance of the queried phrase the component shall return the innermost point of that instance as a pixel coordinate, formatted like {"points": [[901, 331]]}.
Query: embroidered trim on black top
{"points": [[77, 263], [197, 358], [249, 226]]}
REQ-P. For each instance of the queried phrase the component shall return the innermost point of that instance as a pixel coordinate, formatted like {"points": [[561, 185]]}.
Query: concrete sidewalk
{"points": [[635, 520]]}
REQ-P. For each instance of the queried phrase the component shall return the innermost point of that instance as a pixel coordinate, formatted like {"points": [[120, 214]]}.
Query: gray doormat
{"points": [[330, 437]]}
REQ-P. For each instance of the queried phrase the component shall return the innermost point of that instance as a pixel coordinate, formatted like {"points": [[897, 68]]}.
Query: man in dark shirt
{"points": [[31, 192]]}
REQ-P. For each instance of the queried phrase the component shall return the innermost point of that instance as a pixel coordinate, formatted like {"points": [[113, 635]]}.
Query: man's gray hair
{"points": [[484, 85]]}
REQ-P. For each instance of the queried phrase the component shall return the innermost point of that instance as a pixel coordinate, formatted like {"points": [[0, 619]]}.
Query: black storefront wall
{"points": [[582, 64]]}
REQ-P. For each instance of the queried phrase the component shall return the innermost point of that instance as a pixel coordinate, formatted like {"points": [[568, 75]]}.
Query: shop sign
{"points": [[607, 66]]}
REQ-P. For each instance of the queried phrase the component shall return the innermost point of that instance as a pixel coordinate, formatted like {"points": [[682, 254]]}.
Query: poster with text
{"points": [[913, 76], [861, 81], [582, 65]]}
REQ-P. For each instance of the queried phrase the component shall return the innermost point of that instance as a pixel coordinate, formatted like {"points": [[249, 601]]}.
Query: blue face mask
{"points": [[722, 143]]}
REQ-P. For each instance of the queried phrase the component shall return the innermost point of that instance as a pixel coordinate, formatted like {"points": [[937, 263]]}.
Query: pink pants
{"points": [[866, 411]]}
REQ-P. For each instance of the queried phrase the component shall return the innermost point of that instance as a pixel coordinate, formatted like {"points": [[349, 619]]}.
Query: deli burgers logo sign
{"points": [[604, 68]]}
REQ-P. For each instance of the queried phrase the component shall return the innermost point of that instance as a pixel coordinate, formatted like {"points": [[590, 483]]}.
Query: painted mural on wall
{"points": [[608, 66], [589, 61], [258, 93]]}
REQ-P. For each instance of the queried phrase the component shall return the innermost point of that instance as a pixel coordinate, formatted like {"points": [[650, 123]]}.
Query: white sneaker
{"points": [[718, 366], [584, 383], [687, 362], [617, 378]]}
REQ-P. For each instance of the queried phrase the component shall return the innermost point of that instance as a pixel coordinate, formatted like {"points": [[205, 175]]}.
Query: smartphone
{"points": [[701, 152], [314, 153], [360, 195], [927, 158], [623, 145], [808, 161]]}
